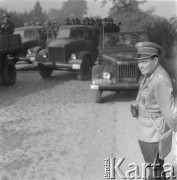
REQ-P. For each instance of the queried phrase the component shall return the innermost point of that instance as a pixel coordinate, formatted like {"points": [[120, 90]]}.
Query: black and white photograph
{"points": [[88, 89]]}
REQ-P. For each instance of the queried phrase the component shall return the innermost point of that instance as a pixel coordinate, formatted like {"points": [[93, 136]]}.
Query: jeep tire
{"points": [[8, 73], [84, 72], [44, 71], [98, 96]]}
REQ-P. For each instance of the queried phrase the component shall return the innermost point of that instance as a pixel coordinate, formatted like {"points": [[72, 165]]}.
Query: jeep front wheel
{"points": [[98, 96], [84, 72], [44, 71], [8, 74]]}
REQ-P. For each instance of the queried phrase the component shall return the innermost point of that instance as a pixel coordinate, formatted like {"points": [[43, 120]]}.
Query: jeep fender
{"points": [[41, 52], [36, 49], [97, 71]]}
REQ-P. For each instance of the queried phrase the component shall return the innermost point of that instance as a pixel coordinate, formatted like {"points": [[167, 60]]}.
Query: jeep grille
{"points": [[56, 54], [127, 73]]}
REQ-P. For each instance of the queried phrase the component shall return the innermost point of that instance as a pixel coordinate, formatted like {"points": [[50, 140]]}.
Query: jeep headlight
{"points": [[45, 55], [73, 56], [106, 75], [29, 51]]}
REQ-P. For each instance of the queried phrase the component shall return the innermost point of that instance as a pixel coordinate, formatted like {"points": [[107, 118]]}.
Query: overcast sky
{"points": [[165, 8]]}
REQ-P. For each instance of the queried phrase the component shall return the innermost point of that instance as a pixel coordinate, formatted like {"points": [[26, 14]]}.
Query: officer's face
{"points": [[147, 66]]}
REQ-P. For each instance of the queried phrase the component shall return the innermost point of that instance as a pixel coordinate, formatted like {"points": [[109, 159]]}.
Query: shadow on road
{"points": [[123, 96]]}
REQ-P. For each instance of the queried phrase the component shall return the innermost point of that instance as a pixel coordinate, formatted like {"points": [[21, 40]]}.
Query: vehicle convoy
{"points": [[33, 40], [116, 69], [74, 49], [10, 46]]}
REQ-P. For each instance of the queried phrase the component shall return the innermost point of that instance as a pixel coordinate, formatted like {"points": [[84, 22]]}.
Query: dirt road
{"points": [[52, 129]]}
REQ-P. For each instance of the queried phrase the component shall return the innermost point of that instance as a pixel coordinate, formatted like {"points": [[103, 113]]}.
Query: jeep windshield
{"points": [[70, 33], [121, 40]]}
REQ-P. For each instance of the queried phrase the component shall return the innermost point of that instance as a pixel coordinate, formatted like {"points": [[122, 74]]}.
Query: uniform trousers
{"points": [[151, 155]]}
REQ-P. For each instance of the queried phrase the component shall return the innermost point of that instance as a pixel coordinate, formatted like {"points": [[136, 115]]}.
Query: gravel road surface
{"points": [[53, 130]]}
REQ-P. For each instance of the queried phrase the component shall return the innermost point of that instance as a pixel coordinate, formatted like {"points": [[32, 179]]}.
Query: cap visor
{"points": [[143, 56]]}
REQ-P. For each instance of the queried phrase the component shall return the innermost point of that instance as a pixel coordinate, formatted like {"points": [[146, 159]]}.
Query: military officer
{"points": [[155, 98], [7, 26]]}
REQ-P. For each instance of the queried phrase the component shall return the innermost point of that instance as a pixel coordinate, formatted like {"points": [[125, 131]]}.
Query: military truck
{"points": [[74, 49], [10, 46], [32, 37]]}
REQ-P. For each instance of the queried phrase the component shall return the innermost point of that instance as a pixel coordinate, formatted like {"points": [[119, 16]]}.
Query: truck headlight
{"points": [[29, 51], [106, 75], [73, 56], [45, 55]]}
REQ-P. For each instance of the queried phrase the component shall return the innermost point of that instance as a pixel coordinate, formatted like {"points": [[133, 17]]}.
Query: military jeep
{"points": [[33, 37], [116, 69], [74, 49], [32, 52]]}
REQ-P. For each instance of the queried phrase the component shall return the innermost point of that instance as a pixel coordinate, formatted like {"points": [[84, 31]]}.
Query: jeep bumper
{"points": [[112, 87], [60, 65], [28, 59]]}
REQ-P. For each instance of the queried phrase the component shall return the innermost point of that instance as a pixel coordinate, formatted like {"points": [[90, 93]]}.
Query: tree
{"points": [[37, 13], [129, 14], [54, 15], [74, 9]]}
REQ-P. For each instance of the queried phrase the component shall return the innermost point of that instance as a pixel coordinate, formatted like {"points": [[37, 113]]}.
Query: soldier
{"points": [[32, 23], [92, 21], [117, 27], [87, 21], [112, 26], [78, 22], [155, 104], [73, 21], [7, 27], [67, 21]]}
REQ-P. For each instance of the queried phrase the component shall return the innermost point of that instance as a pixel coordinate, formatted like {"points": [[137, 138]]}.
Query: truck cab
{"points": [[74, 49]]}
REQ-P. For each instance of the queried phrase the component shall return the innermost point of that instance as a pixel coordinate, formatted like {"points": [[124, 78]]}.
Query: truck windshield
{"points": [[26, 33], [123, 39], [70, 33]]}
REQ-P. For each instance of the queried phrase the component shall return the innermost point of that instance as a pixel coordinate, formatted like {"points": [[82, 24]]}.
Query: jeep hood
{"points": [[65, 42], [119, 55]]}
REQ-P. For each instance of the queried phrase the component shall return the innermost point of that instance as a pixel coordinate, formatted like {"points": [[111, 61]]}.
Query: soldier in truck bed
{"points": [[7, 27]]}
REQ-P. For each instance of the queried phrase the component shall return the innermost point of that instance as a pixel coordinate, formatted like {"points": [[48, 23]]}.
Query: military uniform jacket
{"points": [[155, 94], [7, 28]]}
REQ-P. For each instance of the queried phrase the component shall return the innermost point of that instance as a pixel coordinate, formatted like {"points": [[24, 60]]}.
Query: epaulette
{"points": [[160, 76]]}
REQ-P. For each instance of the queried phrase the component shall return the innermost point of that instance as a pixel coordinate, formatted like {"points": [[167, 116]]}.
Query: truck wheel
{"points": [[84, 72], [98, 96], [44, 71], [8, 74]]}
